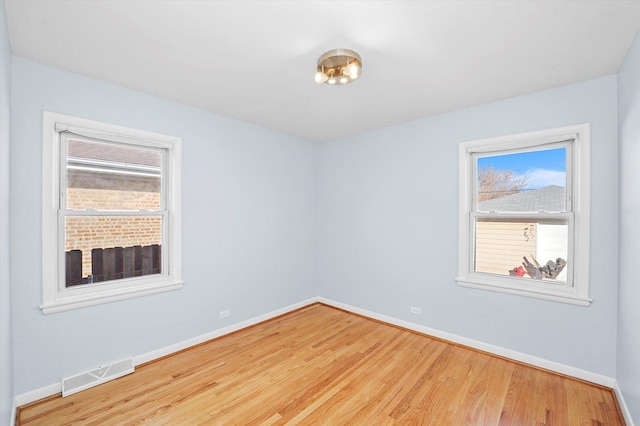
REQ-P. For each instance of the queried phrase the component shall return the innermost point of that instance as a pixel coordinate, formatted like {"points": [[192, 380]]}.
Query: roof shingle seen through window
{"points": [[549, 199]]}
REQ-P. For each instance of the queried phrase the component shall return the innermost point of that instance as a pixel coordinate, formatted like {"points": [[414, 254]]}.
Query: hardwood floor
{"points": [[320, 365]]}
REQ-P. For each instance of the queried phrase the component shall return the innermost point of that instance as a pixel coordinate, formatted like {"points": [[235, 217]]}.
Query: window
{"points": [[524, 214], [110, 213]]}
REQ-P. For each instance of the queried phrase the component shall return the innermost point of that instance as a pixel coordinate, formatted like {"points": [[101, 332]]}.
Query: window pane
{"points": [[104, 248], [522, 182], [112, 177], [522, 248]]}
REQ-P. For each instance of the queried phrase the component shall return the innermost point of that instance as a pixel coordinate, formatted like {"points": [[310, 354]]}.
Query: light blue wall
{"points": [[388, 227], [248, 233], [628, 354], [6, 344]]}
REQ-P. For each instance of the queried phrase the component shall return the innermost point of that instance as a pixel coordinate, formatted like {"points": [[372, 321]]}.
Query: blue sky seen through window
{"points": [[542, 168]]}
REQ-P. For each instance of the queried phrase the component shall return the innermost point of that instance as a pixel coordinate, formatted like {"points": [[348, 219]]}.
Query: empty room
{"points": [[319, 212]]}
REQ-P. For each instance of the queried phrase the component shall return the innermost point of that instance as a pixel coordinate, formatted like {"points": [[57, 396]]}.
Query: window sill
{"points": [[68, 303], [559, 296]]}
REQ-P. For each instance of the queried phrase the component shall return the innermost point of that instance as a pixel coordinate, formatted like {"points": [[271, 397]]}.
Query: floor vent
{"points": [[82, 381]]}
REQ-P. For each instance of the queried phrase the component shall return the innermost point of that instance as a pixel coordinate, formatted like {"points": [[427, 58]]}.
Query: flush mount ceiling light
{"points": [[338, 66]]}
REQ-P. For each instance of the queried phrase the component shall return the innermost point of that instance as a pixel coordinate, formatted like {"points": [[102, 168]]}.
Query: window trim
{"points": [[578, 177], [55, 296]]}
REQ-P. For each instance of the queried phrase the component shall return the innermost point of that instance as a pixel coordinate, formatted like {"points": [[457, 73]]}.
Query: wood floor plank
{"points": [[321, 365]]}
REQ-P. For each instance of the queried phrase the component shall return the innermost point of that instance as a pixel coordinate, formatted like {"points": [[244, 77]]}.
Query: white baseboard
{"points": [[55, 388], [14, 411], [496, 350], [36, 394], [623, 405]]}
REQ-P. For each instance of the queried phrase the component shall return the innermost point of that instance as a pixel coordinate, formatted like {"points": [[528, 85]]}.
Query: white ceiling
{"points": [[255, 60]]}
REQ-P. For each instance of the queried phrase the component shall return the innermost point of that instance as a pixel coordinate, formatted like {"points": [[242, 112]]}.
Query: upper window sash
{"points": [[66, 135], [564, 141]]}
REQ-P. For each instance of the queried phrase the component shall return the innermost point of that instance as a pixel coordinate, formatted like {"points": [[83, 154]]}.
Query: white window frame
{"points": [[577, 138], [56, 296]]}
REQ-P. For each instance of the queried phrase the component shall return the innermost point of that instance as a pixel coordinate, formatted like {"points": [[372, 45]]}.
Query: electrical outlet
{"points": [[225, 313], [416, 311]]}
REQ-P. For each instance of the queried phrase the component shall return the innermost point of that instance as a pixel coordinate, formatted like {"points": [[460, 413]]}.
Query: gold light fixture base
{"points": [[338, 67]]}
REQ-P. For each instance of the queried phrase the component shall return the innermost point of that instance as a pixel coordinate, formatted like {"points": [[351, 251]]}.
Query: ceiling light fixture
{"points": [[338, 66]]}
